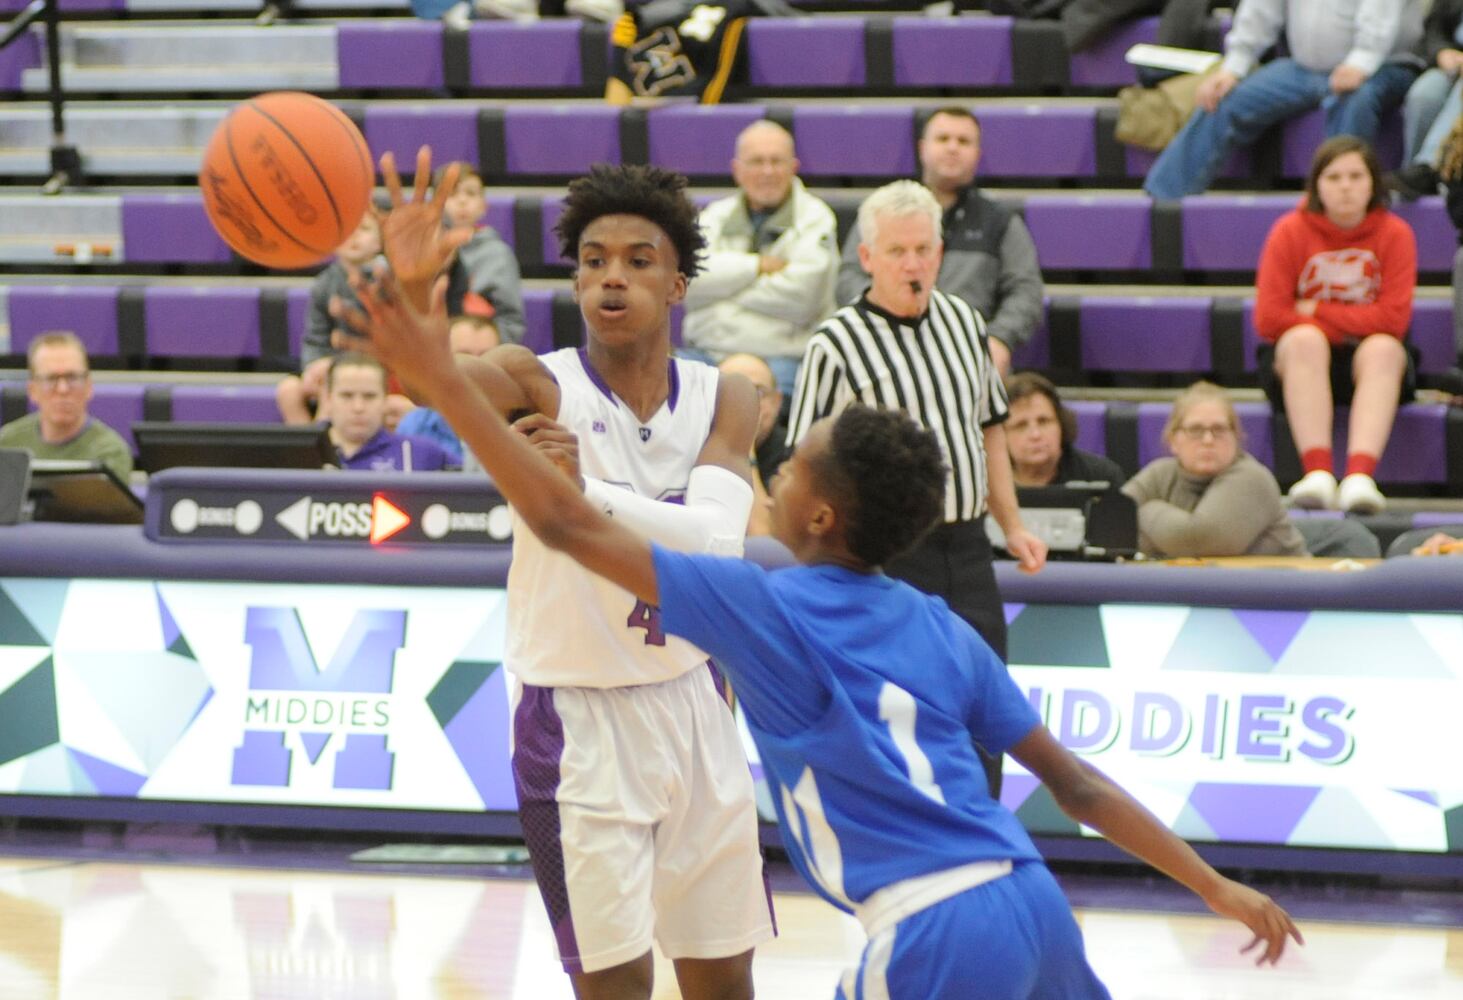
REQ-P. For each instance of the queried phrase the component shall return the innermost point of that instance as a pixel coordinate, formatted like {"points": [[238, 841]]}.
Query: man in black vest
{"points": [[990, 259]]}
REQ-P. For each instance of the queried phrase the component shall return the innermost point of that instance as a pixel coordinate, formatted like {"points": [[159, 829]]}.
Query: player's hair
{"points": [[886, 477], [353, 359], [949, 111], [53, 338], [1201, 392], [897, 200], [653, 193], [1026, 384], [1330, 151]]}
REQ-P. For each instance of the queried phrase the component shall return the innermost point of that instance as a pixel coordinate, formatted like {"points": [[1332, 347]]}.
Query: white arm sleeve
{"points": [[713, 519]]}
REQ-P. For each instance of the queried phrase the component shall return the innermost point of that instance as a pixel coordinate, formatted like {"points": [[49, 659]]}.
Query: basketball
{"points": [[285, 179]]}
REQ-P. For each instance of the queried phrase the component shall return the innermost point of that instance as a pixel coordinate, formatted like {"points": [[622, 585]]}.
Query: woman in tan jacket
{"points": [[1210, 498]]}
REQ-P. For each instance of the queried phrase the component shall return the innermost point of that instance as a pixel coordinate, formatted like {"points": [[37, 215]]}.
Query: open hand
{"points": [[413, 345], [416, 245], [554, 441], [1261, 914]]}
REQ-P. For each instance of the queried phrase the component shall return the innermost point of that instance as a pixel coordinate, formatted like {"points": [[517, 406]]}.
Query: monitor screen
{"points": [[83, 492], [239, 446]]}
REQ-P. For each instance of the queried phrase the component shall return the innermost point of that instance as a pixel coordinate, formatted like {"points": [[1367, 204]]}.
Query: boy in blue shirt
{"points": [[882, 801]]}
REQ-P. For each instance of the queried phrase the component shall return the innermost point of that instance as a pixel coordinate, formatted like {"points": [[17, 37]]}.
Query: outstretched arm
{"points": [[416, 347], [1088, 796]]}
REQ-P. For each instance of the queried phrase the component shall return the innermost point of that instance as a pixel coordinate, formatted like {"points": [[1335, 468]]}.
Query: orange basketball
{"points": [[285, 179]]}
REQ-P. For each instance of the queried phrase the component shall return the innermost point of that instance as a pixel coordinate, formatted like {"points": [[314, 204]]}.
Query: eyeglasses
{"points": [[71, 380], [1197, 432]]}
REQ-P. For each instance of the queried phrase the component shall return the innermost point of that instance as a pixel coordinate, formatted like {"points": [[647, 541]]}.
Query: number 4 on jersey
{"points": [[647, 616]]}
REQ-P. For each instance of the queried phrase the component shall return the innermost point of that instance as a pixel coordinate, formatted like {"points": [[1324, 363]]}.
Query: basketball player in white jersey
{"points": [[634, 792]]}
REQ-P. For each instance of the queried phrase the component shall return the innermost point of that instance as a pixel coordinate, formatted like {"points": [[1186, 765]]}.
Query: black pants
{"points": [[954, 562]]}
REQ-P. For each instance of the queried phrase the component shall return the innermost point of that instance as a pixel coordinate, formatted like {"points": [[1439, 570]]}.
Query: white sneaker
{"points": [[608, 11], [1359, 495], [1315, 491], [522, 11], [458, 16]]}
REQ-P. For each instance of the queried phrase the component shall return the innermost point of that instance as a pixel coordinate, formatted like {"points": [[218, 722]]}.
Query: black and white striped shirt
{"points": [[937, 368]]}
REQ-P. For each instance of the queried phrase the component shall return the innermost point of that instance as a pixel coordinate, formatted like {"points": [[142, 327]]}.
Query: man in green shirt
{"points": [[60, 428]]}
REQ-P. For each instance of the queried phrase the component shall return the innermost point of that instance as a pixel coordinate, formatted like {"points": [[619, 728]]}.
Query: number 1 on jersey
{"points": [[898, 708], [647, 616]]}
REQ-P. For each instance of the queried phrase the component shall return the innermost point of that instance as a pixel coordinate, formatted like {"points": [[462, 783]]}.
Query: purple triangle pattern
{"points": [[478, 735], [1012, 611], [1431, 798], [1016, 789], [203, 702], [314, 745], [1261, 814], [1273, 630], [170, 627], [109, 779]]}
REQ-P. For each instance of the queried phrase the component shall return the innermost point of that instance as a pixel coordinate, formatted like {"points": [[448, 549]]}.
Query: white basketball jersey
{"points": [[566, 626]]}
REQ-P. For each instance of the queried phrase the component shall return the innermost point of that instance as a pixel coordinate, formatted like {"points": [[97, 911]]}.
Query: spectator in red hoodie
{"points": [[1334, 298]]}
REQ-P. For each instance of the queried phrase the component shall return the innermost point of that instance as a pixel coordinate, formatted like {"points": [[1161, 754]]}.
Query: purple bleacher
{"points": [[1037, 352], [66, 6], [840, 140], [1254, 419], [1145, 334], [1091, 417], [550, 209], [1437, 240], [1436, 518], [391, 54], [1102, 64], [169, 229], [22, 54], [698, 138], [1091, 232], [825, 51], [560, 140], [1036, 140], [1251, 340], [500, 217], [297, 309], [118, 405], [537, 54], [202, 321], [1417, 450], [538, 319], [1304, 134], [963, 52], [234, 404], [451, 131], [1226, 232], [87, 311]]}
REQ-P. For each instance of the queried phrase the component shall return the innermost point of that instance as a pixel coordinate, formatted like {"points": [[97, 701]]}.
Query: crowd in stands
{"points": [[938, 285]]}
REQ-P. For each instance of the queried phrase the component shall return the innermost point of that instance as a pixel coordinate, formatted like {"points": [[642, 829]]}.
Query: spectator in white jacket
{"points": [[771, 263]]}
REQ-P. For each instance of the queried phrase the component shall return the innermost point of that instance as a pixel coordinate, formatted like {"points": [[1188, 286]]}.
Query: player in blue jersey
{"points": [[882, 801]]}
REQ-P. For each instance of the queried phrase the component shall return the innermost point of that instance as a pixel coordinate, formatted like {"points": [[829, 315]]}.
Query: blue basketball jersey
{"points": [[863, 695]]}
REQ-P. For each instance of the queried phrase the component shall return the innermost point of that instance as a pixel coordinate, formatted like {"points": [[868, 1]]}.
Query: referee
{"points": [[905, 346]]}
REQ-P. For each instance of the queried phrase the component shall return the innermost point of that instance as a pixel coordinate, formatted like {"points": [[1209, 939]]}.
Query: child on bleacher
{"points": [[1333, 295], [301, 398], [483, 282]]}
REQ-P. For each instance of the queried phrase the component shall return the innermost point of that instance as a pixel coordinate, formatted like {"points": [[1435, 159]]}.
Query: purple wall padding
{"points": [[1103, 65], [22, 54], [451, 131], [1145, 334], [1431, 334], [87, 311], [698, 138], [825, 51], [1085, 232], [170, 229], [1417, 451], [1437, 240], [500, 217], [538, 317], [206, 321], [1091, 424], [1036, 140], [560, 140], [1305, 133], [964, 52], [297, 309], [854, 141], [1036, 352], [508, 54], [118, 405], [389, 54]]}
